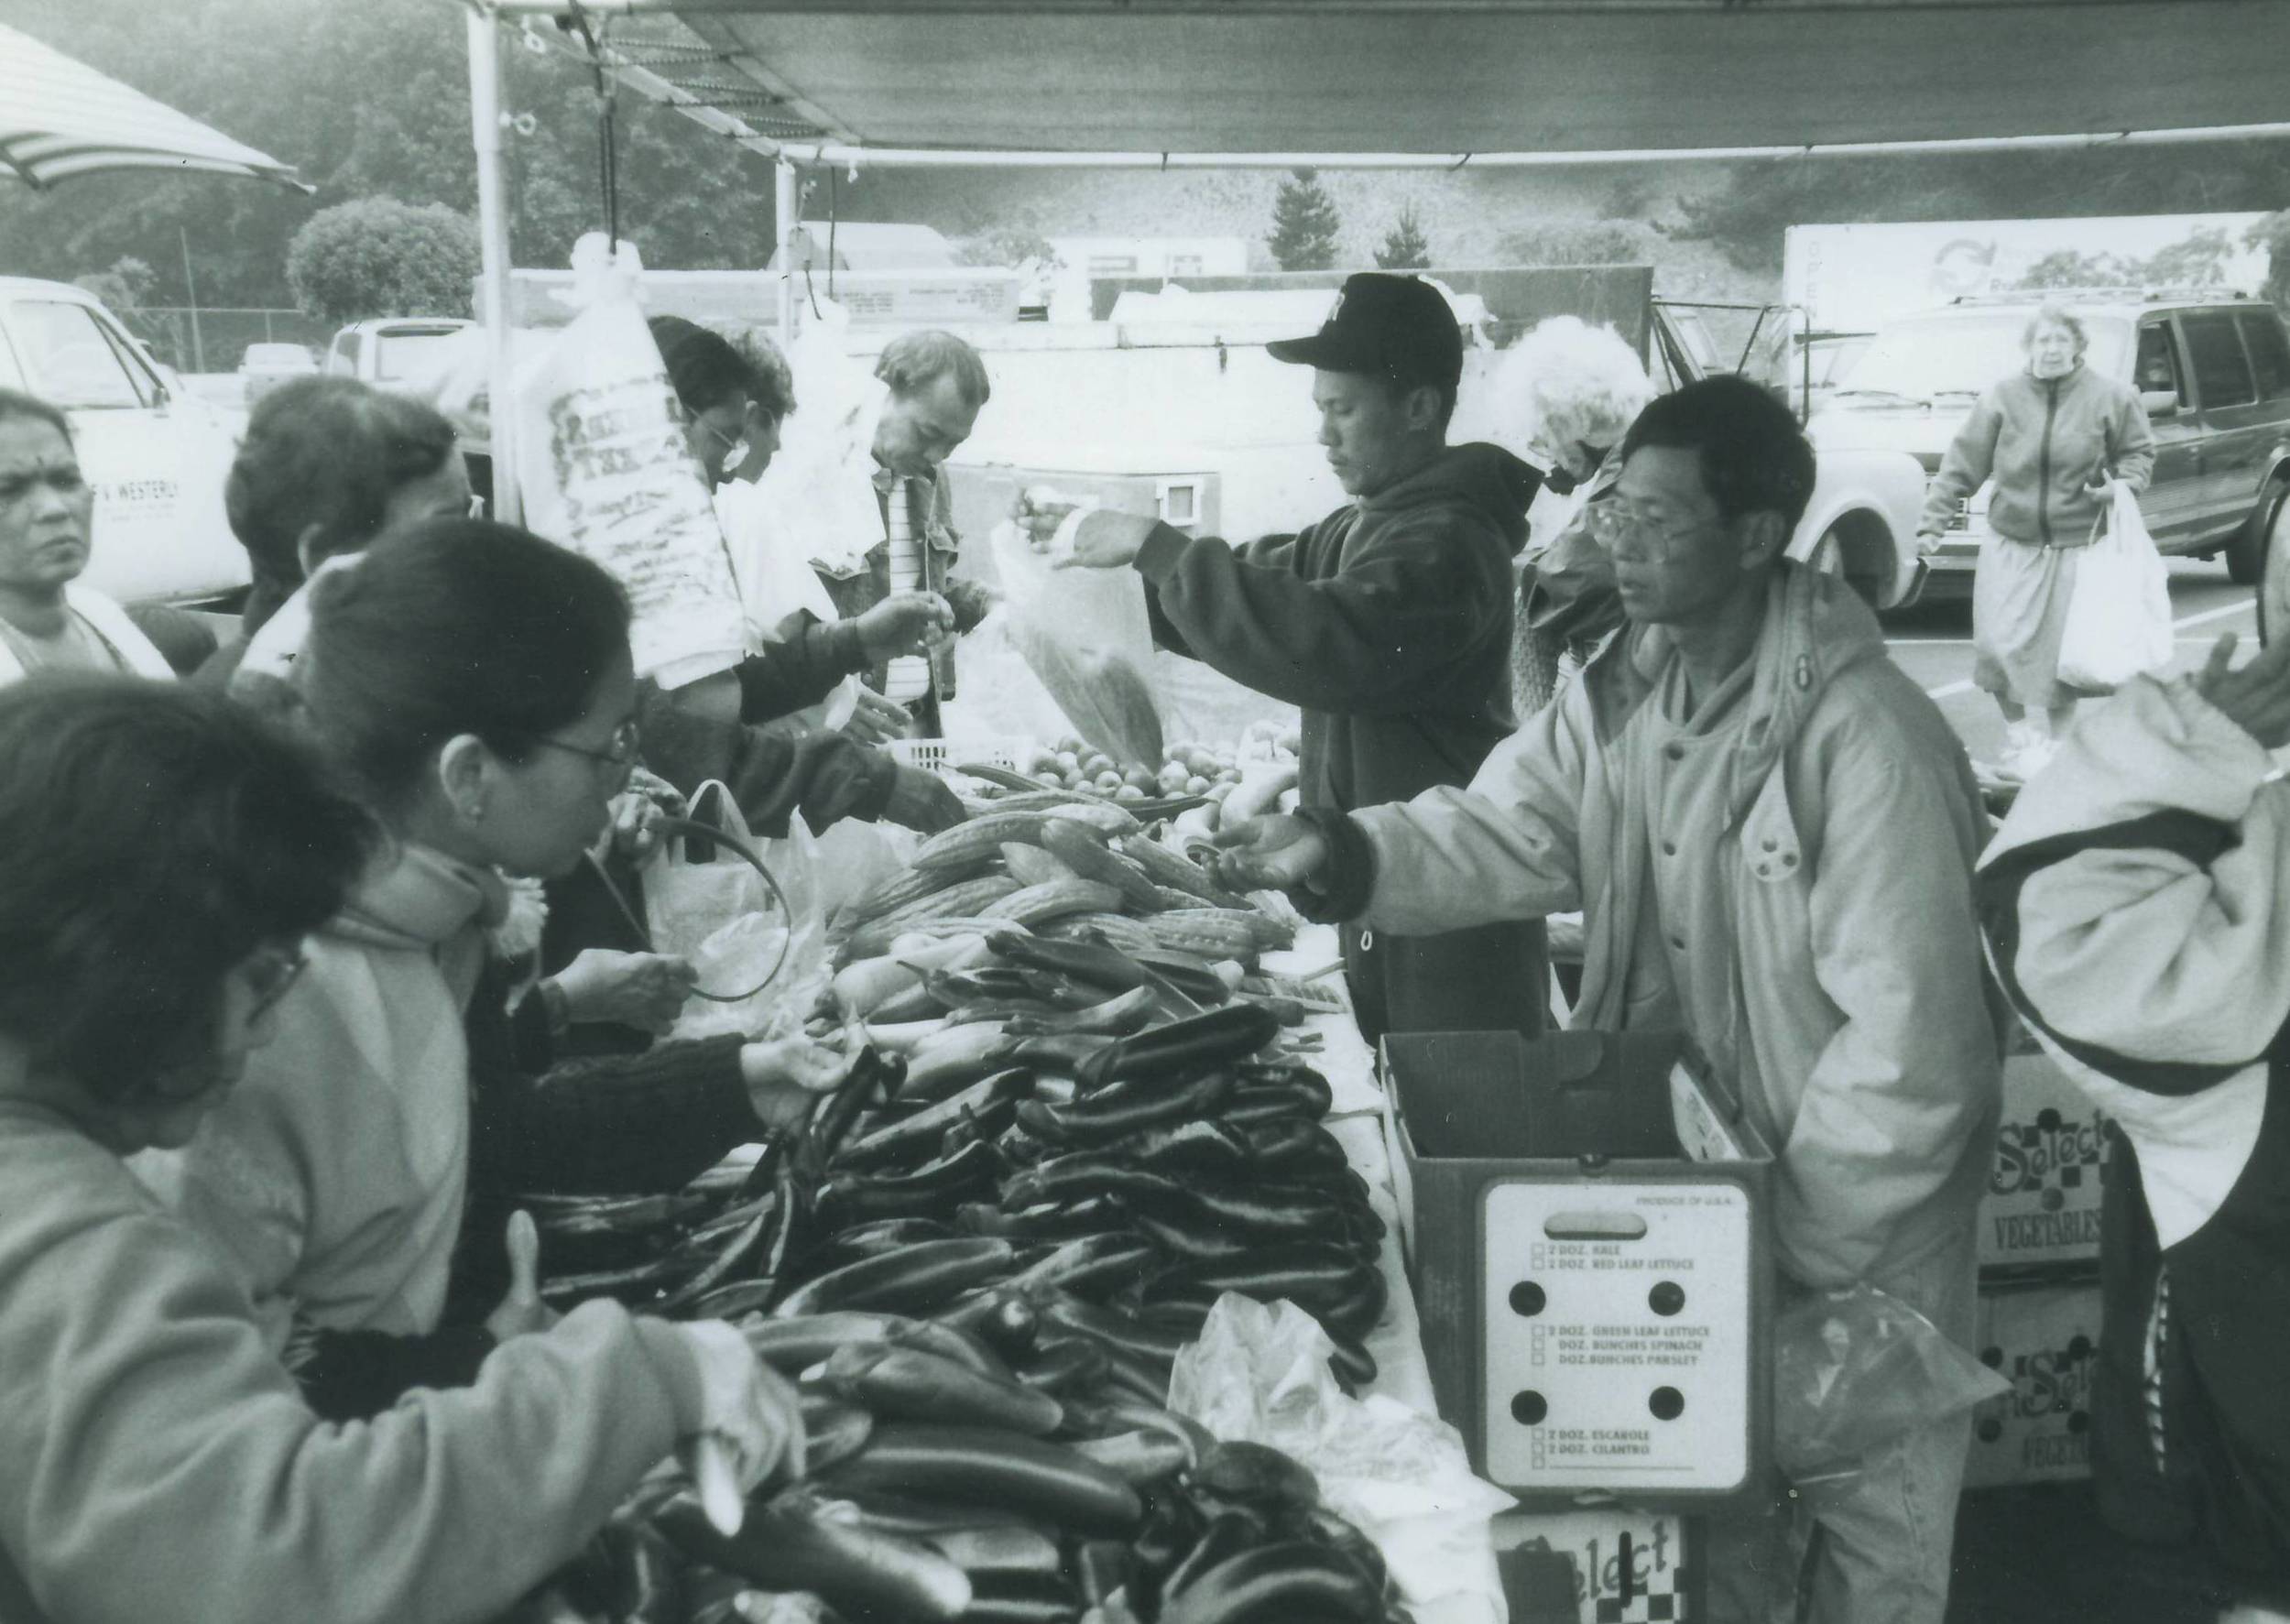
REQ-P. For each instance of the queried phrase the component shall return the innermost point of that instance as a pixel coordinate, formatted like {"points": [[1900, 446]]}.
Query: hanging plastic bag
{"points": [[761, 952], [602, 463], [1855, 1370], [1087, 635], [2119, 613]]}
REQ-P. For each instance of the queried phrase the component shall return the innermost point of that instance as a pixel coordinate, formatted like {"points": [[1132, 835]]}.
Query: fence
{"points": [[214, 340]]}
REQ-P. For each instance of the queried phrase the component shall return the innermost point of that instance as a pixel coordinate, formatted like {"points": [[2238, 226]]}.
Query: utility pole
{"points": [[190, 289]]}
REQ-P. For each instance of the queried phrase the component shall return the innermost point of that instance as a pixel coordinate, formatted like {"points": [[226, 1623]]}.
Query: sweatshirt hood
{"points": [[1488, 477], [415, 898]]}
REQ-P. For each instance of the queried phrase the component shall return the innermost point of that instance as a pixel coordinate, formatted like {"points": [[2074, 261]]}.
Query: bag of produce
{"points": [[1087, 635], [602, 461]]}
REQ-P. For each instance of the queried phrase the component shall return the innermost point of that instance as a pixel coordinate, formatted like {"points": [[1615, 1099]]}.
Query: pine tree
{"points": [[1304, 224], [1405, 247]]}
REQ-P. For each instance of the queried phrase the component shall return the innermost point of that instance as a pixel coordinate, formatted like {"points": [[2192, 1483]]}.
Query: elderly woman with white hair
{"points": [[2056, 437], [1568, 391]]}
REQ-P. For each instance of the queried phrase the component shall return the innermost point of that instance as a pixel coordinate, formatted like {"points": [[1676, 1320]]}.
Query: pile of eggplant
{"points": [[979, 1262]]}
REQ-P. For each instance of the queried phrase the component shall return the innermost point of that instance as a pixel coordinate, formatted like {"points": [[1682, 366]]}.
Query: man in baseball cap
{"points": [[1388, 622]]}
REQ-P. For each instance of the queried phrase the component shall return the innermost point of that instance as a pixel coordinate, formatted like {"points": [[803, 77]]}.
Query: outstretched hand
{"points": [[1273, 853], [2256, 698]]}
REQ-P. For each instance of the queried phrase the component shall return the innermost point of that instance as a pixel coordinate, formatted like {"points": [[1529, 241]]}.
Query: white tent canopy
{"points": [[60, 118]]}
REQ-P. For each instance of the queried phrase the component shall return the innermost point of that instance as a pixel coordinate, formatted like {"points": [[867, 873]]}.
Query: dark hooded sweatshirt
{"points": [[1388, 623]]}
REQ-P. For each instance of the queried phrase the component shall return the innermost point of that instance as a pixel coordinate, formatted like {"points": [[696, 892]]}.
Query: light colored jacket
{"points": [[136, 652], [1807, 918], [2044, 441], [332, 1177], [2137, 914], [158, 1464]]}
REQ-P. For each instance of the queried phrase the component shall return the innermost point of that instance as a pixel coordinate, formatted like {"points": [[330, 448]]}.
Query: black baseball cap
{"points": [[1399, 328]]}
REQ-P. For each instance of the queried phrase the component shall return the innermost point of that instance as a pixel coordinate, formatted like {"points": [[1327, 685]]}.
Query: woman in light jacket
{"points": [[162, 856], [2056, 438]]}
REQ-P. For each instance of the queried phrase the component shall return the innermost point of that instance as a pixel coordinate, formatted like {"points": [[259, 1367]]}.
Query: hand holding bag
{"points": [[2119, 613]]}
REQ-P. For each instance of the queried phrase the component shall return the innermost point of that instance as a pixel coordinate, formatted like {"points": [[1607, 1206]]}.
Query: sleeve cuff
{"points": [[846, 650], [1163, 549], [1349, 883], [881, 779]]}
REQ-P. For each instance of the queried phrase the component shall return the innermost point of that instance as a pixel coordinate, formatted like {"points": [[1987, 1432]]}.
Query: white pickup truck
{"points": [[155, 454]]}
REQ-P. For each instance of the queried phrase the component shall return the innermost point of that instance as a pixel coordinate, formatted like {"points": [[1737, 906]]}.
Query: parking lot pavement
{"points": [[1933, 643]]}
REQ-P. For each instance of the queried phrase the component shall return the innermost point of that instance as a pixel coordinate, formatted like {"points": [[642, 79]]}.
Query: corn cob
{"points": [[1036, 904], [1030, 866], [979, 839], [1084, 850]]}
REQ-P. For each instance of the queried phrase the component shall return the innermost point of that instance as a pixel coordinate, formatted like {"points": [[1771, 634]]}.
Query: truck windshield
{"points": [[1932, 356], [414, 354]]}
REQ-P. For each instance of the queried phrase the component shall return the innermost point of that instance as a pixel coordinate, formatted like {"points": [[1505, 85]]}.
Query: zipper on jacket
{"points": [[2043, 463]]}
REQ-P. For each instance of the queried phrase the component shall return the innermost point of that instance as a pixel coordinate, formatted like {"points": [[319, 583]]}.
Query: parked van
{"points": [[2212, 369], [408, 353], [155, 455]]}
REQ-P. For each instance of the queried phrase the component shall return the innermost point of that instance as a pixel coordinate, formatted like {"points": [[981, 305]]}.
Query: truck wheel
{"points": [[1858, 548], [2248, 549], [2273, 589]]}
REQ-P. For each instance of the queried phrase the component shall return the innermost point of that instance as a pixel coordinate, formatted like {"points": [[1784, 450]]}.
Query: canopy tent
{"points": [[60, 118], [991, 82], [1360, 83]]}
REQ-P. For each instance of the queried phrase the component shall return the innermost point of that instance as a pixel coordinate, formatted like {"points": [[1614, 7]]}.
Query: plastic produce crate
{"points": [[942, 756], [1586, 1222]]}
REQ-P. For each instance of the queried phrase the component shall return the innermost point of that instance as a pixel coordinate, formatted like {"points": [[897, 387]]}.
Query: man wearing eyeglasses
{"points": [[1771, 831]]}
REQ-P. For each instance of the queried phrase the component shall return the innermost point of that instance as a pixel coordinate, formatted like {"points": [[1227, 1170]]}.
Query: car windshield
{"points": [[416, 354], [1958, 354]]}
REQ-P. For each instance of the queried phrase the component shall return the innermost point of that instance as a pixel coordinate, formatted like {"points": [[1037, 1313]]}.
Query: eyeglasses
{"points": [[271, 974], [730, 442], [620, 753], [1613, 520]]}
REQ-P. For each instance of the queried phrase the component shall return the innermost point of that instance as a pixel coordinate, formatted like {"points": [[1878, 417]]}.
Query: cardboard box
{"points": [[1595, 1300], [2042, 1207], [2046, 1340]]}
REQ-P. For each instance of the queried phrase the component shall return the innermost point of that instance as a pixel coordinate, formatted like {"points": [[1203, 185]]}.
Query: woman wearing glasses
{"points": [[474, 684], [162, 856]]}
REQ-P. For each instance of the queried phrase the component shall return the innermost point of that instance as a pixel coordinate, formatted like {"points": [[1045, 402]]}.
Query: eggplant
{"points": [[793, 1345], [1028, 1475], [1067, 1369], [1202, 1146], [833, 1430], [913, 1139], [1010, 1549], [787, 1545], [930, 1190], [1118, 1017], [1307, 1273], [1256, 1474], [873, 1239], [1062, 1220], [1293, 1147], [917, 1277], [910, 1384], [1111, 1114], [949, 1342], [1183, 1048], [1079, 1176], [1275, 1584]]}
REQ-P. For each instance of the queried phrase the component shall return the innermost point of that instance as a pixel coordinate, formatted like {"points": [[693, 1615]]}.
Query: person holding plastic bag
{"points": [[1387, 621], [2056, 438], [474, 683], [156, 1462], [1771, 830], [2138, 916]]}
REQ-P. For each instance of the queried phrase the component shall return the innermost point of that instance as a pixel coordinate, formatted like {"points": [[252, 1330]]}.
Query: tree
{"points": [[378, 256], [1405, 247], [125, 287], [1304, 224], [1578, 242], [2273, 233]]}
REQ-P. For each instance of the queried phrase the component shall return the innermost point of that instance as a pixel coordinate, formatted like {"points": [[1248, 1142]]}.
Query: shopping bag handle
{"points": [[691, 830]]}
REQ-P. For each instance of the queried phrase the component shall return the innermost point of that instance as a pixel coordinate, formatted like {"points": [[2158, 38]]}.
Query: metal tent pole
{"points": [[493, 235], [787, 200]]}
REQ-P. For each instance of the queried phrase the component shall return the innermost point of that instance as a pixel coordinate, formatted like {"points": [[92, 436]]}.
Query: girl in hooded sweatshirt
{"points": [[162, 856], [474, 683]]}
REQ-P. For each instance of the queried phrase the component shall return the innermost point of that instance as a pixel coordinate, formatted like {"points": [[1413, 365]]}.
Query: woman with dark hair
{"points": [[473, 683], [162, 856], [48, 620], [328, 465]]}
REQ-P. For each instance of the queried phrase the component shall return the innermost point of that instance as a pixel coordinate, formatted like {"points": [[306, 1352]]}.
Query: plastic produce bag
{"points": [[2118, 615], [602, 461], [1855, 1370], [711, 908], [1259, 1374], [1085, 634]]}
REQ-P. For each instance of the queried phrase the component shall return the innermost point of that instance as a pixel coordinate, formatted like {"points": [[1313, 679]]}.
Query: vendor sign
{"points": [[2042, 1205], [2045, 1340]]}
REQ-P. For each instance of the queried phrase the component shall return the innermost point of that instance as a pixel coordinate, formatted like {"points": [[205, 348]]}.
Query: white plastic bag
{"points": [[712, 909], [1087, 635], [1853, 1371], [2118, 614], [604, 469]]}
